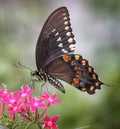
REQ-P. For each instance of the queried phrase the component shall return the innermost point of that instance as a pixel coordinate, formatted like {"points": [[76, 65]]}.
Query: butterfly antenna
{"points": [[19, 65], [32, 81]]}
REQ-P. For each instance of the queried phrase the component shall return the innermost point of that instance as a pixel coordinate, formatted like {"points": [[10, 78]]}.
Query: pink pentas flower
{"points": [[25, 93], [3, 93], [22, 103], [11, 99], [19, 107], [50, 123], [2, 106], [36, 103], [13, 109], [22, 106], [22, 109], [52, 99]]}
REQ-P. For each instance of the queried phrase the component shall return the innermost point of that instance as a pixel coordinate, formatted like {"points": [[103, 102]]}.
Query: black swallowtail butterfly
{"points": [[55, 58]]}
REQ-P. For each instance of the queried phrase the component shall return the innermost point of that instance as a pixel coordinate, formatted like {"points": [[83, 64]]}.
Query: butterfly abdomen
{"points": [[53, 81]]}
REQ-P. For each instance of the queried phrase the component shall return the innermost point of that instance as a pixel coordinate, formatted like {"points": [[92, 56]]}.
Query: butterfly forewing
{"points": [[56, 38]]}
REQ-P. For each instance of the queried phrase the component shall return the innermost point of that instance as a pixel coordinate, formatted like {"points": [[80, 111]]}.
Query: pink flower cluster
{"points": [[28, 107]]}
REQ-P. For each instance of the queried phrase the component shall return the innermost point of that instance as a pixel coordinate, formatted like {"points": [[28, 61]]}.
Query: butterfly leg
{"points": [[31, 83], [42, 88]]}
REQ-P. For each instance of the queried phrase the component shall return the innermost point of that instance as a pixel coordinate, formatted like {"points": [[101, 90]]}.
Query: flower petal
{"points": [[55, 118]]}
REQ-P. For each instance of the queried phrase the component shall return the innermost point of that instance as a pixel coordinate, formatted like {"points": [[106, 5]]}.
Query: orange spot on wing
{"points": [[90, 69], [74, 84], [83, 89], [76, 68], [76, 80], [84, 62], [94, 76], [97, 84], [66, 58], [79, 72], [77, 57], [92, 88]]}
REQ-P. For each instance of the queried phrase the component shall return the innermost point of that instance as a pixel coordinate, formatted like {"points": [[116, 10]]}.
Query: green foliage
{"points": [[111, 7]]}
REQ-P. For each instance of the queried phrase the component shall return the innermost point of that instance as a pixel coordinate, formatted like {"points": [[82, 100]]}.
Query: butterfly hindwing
{"points": [[76, 71]]}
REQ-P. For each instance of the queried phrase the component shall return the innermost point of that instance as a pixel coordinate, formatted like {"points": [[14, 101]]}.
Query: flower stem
{"points": [[39, 126], [26, 117], [43, 113], [28, 125]]}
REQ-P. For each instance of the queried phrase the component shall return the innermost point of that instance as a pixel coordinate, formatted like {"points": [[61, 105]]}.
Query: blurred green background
{"points": [[96, 25]]}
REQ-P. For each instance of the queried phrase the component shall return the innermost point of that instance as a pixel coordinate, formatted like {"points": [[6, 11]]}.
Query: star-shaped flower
{"points": [[50, 123], [52, 99]]}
